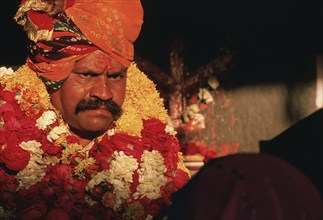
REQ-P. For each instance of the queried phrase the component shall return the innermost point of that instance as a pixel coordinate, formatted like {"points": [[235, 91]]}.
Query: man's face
{"points": [[94, 80]]}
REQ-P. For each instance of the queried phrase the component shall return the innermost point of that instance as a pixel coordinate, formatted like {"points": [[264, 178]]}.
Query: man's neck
{"points": [[83, 142], [84, 139]]}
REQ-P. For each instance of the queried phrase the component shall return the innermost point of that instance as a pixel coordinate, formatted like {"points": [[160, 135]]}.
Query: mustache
{"points": [[96, 103]]}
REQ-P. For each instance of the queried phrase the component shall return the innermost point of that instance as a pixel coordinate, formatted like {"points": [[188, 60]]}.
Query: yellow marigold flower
{"points": [[133, 209], [70, 151], [61, 140], [35, 91], [142, 101], [181, 165], [82, 165]]}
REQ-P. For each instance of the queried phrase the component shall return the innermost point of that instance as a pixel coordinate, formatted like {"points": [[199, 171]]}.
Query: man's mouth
{"points": [[96, 104]]}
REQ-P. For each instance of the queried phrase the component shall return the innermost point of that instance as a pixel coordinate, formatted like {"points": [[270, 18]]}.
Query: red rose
{"points": [[7, 200], [48, 192], [10, 105], [71, 139], [65, 200], [154, 135], [32, 206], [130, 145], [22, 127], [27, 129], [50, 148], [180, 178], [153, 208], [154, 125], [101, 160], [78, 189], [191, 148], [3, 138], [105, 146], [11, 122], [6, 107], [15, 158], [7, 95], [56, 213], [135, 182], [95, 212], [60, 176], [7, 182], [31, 213]]}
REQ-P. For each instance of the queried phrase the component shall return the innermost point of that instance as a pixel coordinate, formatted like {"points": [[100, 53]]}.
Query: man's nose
{"points": [[101, 88]]}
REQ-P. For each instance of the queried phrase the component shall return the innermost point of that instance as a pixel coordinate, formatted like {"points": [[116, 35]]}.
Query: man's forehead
{"points": [[98, 61]]}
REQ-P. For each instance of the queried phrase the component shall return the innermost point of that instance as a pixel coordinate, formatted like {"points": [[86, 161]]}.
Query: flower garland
{"points": [[127, 173]]}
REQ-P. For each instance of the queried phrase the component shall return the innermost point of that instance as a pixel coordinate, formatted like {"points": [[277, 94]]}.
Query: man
{"points": [[94, 142], [101, 48]]}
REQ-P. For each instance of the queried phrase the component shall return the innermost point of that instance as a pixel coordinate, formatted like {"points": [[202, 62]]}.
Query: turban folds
{"points": [[64, 31]]}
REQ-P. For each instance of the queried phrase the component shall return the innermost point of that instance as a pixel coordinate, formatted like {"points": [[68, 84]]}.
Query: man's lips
{"points": [[103, 111]]}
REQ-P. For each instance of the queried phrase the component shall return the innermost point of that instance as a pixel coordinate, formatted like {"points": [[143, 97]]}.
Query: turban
{"points": [[64, 31], [247, 186]]}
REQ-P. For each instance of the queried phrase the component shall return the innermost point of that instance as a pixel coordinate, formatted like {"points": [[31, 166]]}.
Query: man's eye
{"points": [[116, 75], [88, 75]]}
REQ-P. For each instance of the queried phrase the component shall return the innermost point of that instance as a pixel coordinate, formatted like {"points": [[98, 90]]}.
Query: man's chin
{"points": [[90, 132]]}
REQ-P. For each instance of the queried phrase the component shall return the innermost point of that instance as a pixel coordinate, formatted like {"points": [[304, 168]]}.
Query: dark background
{"points": [[266, 35], [273, 40]]}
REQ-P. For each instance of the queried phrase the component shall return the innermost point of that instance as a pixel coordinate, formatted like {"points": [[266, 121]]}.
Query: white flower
{"points": [[89, 200], [6, 71], [18, 96], [97, 179], [170, 130], [151, 175], [7, 213], [47, 118], [213, 83], [31, 146], [119, 175], [111, 132], [199, 120], [205, 95], [35, 170], [55, 133], [190, 112]]}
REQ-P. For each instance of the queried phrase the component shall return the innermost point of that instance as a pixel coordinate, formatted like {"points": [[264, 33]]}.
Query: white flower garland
{"points": [[47, 118], [119, 175], [151, 175], [35, 170]]}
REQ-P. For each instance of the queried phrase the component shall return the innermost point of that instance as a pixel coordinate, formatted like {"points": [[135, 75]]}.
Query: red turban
{"points": [[64, 31]]}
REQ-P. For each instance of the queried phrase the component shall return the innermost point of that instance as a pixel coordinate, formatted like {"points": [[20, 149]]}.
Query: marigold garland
{"points": [[127, 173], [142, 101]]}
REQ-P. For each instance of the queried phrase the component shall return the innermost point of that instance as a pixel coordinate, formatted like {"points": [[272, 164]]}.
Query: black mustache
{"points": [[93, 104]]}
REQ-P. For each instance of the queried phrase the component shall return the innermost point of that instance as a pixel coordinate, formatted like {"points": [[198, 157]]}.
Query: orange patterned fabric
{"points": [[78, 28], [112, 26]]}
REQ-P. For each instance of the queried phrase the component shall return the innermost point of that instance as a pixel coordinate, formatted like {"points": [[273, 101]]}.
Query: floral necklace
{"points": [[127, 173]]}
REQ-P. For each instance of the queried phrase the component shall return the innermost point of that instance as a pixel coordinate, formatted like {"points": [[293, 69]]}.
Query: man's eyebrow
{"points": [[88, 72], [123, 71]]}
